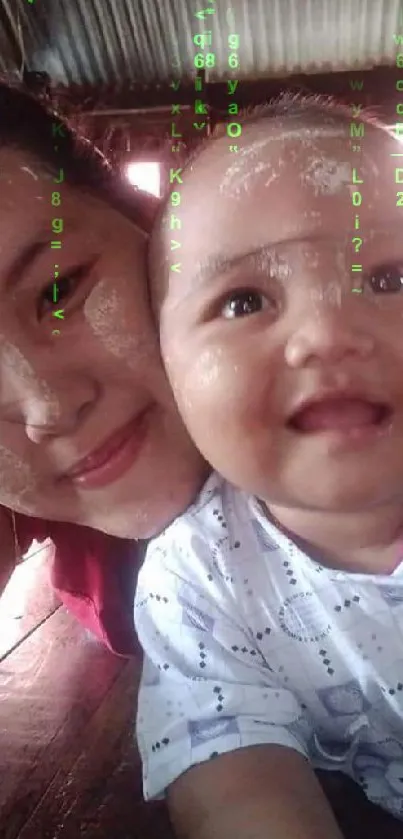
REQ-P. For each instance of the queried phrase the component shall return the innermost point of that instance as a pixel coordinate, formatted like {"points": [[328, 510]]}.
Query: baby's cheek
{"points": [[212, 392]]}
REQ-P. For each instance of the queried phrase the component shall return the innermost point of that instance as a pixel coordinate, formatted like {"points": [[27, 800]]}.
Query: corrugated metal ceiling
{"points": [[95, 42]]}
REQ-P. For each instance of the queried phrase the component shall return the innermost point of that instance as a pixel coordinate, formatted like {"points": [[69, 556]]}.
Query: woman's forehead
{"points": [[26, 193], [19, 167]]}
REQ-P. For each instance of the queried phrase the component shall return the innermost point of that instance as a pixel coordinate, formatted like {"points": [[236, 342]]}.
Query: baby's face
{"points": [[267, 313]]}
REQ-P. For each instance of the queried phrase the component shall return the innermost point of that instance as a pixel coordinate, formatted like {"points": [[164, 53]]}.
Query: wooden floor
{"points": [[69, 766]]}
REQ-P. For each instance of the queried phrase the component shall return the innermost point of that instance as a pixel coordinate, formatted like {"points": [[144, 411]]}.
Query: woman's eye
{"points": [[242, 303], [56, 293], [387, 278]]}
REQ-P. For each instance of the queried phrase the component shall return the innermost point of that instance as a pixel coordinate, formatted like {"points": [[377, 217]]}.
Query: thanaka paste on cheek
{"points": [[23, 379], [108, 314], [201, 376], [18, 477]]}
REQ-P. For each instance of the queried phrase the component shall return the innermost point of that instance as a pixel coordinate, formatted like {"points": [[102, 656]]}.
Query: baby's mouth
{"points": [[339, 414]]}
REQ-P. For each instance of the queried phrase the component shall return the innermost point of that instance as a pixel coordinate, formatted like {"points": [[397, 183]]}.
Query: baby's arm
{"points": [[258, 792]]}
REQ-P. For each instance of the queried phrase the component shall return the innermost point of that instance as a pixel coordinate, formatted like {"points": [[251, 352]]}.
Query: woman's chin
{"points": [[140, 503]]}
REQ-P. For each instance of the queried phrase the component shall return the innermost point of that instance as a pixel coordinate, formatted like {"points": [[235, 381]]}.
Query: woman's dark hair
{"points": [[27, 123]]}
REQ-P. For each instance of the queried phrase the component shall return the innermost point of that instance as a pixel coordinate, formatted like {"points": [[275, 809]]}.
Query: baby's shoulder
{"points": [[213, 522], [218, 507], [219, 529]]}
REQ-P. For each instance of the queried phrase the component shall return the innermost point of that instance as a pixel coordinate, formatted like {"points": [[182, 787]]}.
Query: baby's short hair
{"points": [[318, 109], [312, 107]]}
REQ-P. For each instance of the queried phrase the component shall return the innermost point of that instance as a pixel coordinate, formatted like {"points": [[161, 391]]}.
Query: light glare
{"points": [[146, 176]]}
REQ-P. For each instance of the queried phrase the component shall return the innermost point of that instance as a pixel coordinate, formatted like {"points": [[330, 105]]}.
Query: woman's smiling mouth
{"points": [[114, 457]]}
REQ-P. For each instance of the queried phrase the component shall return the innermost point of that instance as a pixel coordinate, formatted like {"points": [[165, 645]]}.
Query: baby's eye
{"points": [[387, 278], [242, 303]]}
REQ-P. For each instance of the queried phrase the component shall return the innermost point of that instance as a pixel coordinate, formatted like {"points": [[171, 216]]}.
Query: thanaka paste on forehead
{"points": [[30, 172], [329, 292], [240, 168], [243, 183], [316, 215], [270, 261], [325, 175]]}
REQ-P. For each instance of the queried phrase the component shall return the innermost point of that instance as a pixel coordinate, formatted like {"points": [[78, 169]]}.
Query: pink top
{"points": [[94, 575]]}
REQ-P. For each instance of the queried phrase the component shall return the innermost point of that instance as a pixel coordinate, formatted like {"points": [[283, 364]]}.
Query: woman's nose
{"points": [[53, 412], [42, 392], [44, 407], [328, 336]]}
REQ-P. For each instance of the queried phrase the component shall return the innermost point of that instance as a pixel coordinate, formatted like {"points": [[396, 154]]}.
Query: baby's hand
{"points": [[7, 551]]}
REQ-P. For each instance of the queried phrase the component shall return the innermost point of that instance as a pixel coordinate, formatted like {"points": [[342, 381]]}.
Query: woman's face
{"points": [[68, 383]]}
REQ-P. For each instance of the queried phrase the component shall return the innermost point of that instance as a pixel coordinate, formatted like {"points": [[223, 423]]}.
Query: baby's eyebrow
{"points": [[216, 265], [219, 264]]}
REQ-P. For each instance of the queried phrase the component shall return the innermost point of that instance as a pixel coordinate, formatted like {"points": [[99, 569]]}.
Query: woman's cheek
{"points": [[19, 478], [121, 323]]}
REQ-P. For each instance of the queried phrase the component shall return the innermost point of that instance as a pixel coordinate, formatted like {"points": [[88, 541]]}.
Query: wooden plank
{"points": [[97, 792], [28, 599], [69, 764], [50, 687]]}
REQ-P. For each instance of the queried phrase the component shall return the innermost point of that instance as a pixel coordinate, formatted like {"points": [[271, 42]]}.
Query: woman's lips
{"points": [[340, 414], [114, 458]]}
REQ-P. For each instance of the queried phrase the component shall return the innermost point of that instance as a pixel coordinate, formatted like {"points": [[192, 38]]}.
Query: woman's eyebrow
{"points": [[31, 251], [26, 257]]}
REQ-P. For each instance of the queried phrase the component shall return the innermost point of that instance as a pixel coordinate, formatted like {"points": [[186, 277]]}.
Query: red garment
{"points": [[94, 575]]}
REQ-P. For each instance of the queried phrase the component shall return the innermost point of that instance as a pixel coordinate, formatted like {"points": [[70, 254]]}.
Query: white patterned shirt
{"points": [[248, 641]]}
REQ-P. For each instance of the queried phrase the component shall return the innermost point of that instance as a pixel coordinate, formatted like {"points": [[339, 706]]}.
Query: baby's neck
{"points": [[366, 542]]}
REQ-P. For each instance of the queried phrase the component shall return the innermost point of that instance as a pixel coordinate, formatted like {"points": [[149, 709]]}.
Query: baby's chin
{"points": [[338, 469], [309, 477], [331, 489]]}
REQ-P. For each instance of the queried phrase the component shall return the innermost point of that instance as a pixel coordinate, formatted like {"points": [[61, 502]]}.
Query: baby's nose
{"points": [[328, 337]]}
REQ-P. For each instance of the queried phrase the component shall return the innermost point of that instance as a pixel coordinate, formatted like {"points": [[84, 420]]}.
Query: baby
{"points": [[271, 612]]}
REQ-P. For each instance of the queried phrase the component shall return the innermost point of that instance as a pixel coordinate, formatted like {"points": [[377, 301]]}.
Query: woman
{"points": [[93, 382]]}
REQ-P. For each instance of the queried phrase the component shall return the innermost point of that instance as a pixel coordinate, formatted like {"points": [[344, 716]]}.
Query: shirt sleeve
{"points": [[206, 689]]}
